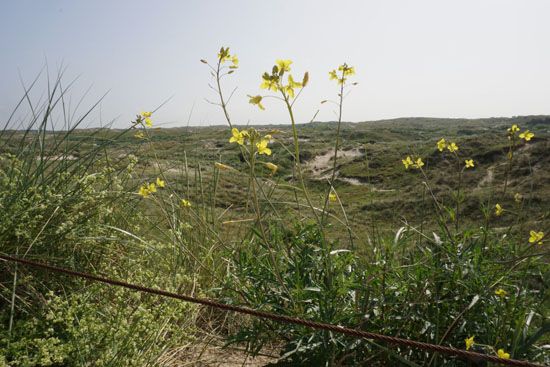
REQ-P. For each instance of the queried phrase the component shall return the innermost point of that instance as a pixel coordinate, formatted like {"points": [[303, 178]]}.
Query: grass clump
{"points": [[65, 204]]}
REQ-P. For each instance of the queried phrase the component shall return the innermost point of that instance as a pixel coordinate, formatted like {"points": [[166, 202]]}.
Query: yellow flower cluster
{"points": [[147, 118], [224, 56], [245, 136], [344, 71], [185, 203], [150, 188], [453, 148], [442, 144], [332, 197], [409, 162], [274, 81], [536, 237], [525, 135]]}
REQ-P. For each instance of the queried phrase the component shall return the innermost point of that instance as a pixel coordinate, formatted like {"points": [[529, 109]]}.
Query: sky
{"points": [[423, 58]]}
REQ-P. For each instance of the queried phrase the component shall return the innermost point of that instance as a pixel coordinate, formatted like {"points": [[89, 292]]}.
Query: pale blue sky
{"points": [[468, 58]]}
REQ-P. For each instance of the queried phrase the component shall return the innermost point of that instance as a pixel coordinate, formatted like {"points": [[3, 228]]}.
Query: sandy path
{"points": [[321, 166]]}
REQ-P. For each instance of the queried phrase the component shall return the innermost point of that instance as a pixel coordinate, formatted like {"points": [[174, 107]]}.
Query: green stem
{"points": [[335, 158], [220, 93], [297, 157]]}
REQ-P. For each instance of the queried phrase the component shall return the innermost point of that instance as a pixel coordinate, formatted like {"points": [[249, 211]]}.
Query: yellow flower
{"points": [[147, 189], [502, 354], [235, 61], [224, 55], [407, 162], [256, 100], [498, 210], [185, 203], [518, 197], [441, 144], [262, 147], [418, 163], [139, 135], [238, 136], [332, 197], [347, 70], [270, 82], [148, 122], [272, 167], [146, 114], [291, 85], [452, 147], [513, 129], [143, 191], [501, 293], [469, 163], [527, 135], [160, 183], [536, 237], [469, 342], [283, 65], [222, 166]]}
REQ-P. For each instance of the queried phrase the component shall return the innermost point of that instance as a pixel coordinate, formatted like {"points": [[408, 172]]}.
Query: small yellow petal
{"points": [[469, 342], [441, 144], [502, 354], [498, 210], [160, 183]]}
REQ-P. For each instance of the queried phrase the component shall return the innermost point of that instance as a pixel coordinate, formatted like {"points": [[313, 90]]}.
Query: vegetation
{"points": [[428, 229]]}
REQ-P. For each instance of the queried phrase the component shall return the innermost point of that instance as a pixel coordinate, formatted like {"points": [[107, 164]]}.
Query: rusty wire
{"points": [[472, 356]]}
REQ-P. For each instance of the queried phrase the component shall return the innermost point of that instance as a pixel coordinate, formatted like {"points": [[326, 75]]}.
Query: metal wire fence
{"points": [[434, 348]]}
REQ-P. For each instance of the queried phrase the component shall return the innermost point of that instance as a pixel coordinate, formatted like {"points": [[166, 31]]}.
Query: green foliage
{"points": [[428, 290], [98, 327], [311, 280]]}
